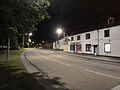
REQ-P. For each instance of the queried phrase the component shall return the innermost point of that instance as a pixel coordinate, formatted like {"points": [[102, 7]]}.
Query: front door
{"points": [[95, 49]]}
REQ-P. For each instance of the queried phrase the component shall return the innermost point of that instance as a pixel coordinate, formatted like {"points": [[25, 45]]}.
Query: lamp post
{"points": [[29, 40], [8, 48], [59, 31]]}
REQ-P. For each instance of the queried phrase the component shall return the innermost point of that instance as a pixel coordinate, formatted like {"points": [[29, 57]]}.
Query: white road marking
{"points": [[61, 63], [56, 61], [103, 74], [58, 56], [116, 88], [45, 57]]}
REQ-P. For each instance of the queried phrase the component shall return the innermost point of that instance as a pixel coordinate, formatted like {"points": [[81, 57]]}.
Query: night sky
{"points": [[72, 14]]}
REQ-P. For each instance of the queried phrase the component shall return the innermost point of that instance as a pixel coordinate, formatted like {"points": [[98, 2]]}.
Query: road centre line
{"points": [[75, 59], [45, 57], [61, 63], [88, 61], [102, 74], [57, 61]]}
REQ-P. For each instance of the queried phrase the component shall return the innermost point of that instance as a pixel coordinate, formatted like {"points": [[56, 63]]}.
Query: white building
{"points": [[101, 42]]}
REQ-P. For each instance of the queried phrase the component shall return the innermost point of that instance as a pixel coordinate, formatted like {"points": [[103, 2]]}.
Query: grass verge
{"points": [[13, 75]]}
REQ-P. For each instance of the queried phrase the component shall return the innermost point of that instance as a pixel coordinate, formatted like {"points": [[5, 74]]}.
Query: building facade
{"points": [[98, 42]]}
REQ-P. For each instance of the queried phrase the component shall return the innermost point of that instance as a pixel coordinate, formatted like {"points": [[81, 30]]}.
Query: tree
{"points": [[18, 17]]}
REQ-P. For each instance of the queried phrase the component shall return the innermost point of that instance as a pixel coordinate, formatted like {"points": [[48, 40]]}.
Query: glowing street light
{"points": [[43, 41], [59, 31], [30, 34], [29, 40]]}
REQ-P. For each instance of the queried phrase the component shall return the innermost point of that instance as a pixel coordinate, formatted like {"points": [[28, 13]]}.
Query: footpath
{"points": [[92, 57]]}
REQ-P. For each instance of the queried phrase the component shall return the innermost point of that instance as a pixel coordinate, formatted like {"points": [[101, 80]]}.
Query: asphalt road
{"points": [[76, 72]]}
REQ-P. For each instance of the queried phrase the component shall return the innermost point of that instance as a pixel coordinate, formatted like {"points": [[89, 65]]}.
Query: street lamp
{"points": [[29, 40], [30, 34], [43, 41], [59, 31]]}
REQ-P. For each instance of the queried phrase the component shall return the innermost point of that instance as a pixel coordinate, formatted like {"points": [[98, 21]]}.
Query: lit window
{"points": [[107, 47], [88, 47], [106, 33], [88, 36], [79, 46], [78, 37]]}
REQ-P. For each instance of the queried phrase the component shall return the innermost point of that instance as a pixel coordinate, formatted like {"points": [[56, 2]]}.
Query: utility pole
{"points": [[58, 41], [8, 49], [23, 41], [28, 41]]}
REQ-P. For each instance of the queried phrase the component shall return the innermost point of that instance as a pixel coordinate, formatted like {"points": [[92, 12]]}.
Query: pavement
{"points": [[28, 65], [93, 57], [69, 71]]}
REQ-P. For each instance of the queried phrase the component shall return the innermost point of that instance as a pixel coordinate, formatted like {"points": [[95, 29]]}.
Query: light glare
{"points": [[30, 34], [59, 30]]}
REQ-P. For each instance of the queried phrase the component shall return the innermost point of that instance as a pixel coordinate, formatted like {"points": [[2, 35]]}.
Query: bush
{"points": [[15, 47]]}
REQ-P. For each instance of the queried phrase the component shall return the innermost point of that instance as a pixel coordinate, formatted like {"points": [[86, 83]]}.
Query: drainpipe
{"points": [[98, 41]]}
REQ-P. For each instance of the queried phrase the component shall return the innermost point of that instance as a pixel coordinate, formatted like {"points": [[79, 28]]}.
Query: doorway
{"points": [[95, 49]]}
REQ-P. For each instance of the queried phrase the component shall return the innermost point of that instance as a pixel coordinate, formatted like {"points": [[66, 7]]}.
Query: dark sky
{"points": [[71, 14]]}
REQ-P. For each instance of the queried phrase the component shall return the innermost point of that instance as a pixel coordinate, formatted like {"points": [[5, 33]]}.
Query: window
{"points": [[106, 33], [88, 47], [78, 37], [72, 47], [72, 38], [88, 36], [107, 47], [79, 46], [111, 20]]}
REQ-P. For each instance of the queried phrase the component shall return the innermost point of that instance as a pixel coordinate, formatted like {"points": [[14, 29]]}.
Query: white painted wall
{"points": [[61, 43], [114, 39], [93, 41], [54, 45]]}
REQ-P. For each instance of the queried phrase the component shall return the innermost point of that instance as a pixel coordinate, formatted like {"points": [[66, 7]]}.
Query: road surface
{"points": [[77, 73]]}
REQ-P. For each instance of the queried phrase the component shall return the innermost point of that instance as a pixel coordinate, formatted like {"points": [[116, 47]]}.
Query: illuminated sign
{"points": [[107, 47]]}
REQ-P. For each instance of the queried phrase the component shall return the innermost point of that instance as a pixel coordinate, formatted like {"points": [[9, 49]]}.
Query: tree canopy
{"points": [[18, 17]]}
